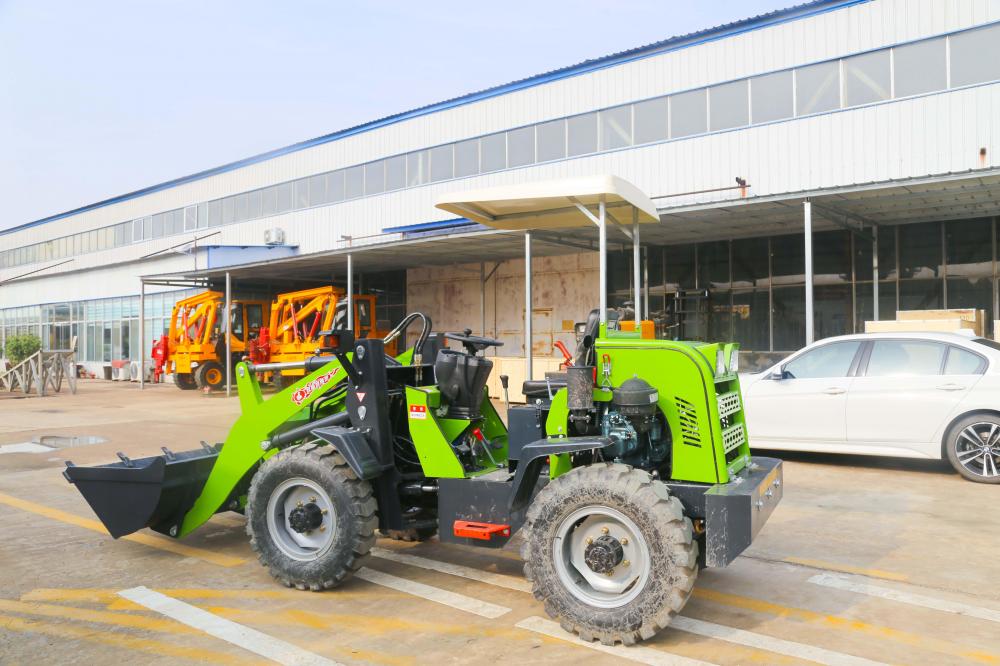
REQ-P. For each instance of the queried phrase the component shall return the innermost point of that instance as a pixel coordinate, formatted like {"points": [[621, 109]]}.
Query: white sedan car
{"points": [[918, 395]]}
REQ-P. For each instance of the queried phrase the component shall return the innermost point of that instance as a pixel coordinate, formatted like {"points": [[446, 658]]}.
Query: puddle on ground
{"points": [[50, 443]]}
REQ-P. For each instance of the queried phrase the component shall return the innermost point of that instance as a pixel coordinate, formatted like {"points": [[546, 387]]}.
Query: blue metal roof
{"points": [[795, 12]]}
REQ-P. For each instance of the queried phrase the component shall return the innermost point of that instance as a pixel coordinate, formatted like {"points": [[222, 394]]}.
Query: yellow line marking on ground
{"points": [[107, 597], [162, 543], [845, 568], [97, 616], [159, 648], [912, 640]]}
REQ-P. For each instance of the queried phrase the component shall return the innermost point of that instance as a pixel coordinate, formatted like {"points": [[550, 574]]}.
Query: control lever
{"points": [[504, 381], [567, 357]]}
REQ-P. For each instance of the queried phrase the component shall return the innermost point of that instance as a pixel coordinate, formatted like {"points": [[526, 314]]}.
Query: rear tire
{"points": [[210, 374], [610, 553], [972, 446], [185, 381], [334, 530]]}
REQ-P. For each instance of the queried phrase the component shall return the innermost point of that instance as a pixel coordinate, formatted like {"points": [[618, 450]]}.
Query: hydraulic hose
{"points": [[418, 348]]}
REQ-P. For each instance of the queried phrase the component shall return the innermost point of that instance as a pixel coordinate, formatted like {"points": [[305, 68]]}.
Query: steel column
{"points": [[142, 334], [810, 322], [636, 278], [482, 298], [602, 232], [875, 273], [229, 335], [527, 306], [350, 292]]}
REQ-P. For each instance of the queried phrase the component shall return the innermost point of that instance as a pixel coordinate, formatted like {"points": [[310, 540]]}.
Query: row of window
{"points": [[931, 65]]}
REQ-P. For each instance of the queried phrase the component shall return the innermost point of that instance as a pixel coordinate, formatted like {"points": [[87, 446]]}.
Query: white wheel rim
{"points": [[602, 590], [295, 493], [977, 449]]}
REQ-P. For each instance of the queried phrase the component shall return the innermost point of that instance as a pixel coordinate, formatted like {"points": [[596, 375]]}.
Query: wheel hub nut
{"points": [[604, 554]]}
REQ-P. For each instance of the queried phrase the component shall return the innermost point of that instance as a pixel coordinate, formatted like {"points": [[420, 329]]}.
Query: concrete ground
{"points": [[865, 561]]}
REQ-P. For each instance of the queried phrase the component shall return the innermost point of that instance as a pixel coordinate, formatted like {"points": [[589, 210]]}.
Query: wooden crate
{"points": [[977, 317], [916, 325]]}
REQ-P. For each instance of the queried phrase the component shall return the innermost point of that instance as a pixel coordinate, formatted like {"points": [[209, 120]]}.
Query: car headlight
{"points": [[734, 361], [720, 362]]}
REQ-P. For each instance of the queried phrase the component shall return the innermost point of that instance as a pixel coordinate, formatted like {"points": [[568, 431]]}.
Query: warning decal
{"points": [[418, 412]]}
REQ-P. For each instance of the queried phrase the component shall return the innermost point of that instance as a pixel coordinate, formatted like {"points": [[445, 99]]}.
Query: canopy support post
{"points": [[350, 292], [142, 334], [602, 232], [636, 281], [875, 273], [229, 335], [527, 306], [810, 322]]}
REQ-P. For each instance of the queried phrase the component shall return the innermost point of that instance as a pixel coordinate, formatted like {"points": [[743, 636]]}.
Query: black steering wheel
{"points": [[473, 343]]}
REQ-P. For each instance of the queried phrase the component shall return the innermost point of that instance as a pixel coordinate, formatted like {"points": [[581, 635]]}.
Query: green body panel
{"points": [[433, 434], [259, 420]]}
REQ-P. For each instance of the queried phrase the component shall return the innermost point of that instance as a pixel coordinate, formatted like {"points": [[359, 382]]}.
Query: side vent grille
{"points": [[687, 414], [732, 437], [729, 403]]}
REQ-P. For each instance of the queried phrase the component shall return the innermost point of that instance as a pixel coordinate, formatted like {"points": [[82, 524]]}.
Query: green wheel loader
{"points": [[625, 475]]}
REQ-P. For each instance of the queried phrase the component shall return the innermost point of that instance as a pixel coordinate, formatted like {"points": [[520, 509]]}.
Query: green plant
{"points": [[20, 347]]}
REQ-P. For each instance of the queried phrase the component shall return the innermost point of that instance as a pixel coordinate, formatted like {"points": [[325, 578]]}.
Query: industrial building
{"points": [[866, 130]]}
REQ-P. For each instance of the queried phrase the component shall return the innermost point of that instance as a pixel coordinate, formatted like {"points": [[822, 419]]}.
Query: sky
{"points": [[101, 98]]}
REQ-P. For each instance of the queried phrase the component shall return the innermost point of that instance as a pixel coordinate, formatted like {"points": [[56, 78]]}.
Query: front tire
{"points": [[610, 553], [210, 374], [973, 448], [310, 519], [185, 381]]}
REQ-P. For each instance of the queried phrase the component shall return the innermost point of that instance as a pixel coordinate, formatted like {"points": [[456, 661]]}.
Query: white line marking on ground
{"points": [[499, 580], [223, 629], [769, 643], [642, 655], [956, 607], [436, 594]]}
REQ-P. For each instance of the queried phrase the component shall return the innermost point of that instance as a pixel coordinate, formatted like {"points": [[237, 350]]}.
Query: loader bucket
{"points": [[152, 492]]}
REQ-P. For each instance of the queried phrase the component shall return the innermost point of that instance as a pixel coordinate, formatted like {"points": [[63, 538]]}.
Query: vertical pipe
{"points": [[874, 273], [350, 293], [229, 335], [527, 306], [482, 298], [142, 334], [636, 278], [645, 281], [602, 247], [810, 327]]}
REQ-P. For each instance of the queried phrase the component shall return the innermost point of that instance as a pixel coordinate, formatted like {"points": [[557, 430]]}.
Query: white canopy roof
{"points": [[551, 204]]}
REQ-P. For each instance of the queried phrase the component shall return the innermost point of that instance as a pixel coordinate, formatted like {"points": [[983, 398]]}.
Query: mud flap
{"points": [[736, 511], [152, 492]]}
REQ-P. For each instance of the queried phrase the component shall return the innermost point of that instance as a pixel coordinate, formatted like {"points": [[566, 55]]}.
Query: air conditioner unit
{"points": [[274, 236]]}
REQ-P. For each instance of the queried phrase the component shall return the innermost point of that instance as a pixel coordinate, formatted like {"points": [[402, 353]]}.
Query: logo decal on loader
{"points": [[418, 412], [303, 393]]}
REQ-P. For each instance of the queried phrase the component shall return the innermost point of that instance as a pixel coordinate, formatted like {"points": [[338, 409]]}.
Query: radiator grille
{"points": [[687, 414]]}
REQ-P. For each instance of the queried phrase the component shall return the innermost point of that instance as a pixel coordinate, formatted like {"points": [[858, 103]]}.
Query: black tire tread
{"points": [[677, 536], [364, 508], [951, 440]]}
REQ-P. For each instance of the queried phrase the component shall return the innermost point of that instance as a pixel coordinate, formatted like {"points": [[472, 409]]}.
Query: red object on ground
{"points": [[161, 353], [482, 531]]}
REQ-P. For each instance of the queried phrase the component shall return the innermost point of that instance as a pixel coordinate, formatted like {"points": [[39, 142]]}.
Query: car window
{"points": [[905, 358], [963, 362], [830, 360]]}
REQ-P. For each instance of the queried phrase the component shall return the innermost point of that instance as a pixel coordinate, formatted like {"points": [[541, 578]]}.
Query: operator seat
{"points": [[461, 375]]}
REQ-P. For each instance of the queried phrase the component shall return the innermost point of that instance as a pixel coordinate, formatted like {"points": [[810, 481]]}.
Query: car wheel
{"points": [[973, 447]]}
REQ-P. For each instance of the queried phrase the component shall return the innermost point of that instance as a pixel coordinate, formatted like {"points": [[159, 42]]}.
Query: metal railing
{"points": [[41, 372]]}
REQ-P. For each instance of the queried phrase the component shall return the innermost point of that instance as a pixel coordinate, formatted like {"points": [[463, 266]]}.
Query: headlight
{"points": [[720, 362], [734, 361]]}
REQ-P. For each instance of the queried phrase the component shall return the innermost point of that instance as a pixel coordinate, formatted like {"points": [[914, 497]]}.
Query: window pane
{"points": [[616, 127], [317, 190], [521, 146], [969, 247], [284, 197], [817, 88], [831, 257], [492, 153], [920, 250], [866, 78], [582, 131], [975, 56], [354, 182], [729, 105], [789, 261], [375, 177], [442, 162], [157, 229], [651, 120], [920, 67], [920, 295], [832, 360], [395, 173], [688, 114], [772, 96], [551, 138], [228, 211], [190, 219], [789, 317], [269, 201], [242, 205], [253, 204], [416, 168], [975, 293], [466, 158], [750, 320], [301, 193], [136, 235], [905, 358], [750, 263], [335, 186], [963, 362], [713, 265]]}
